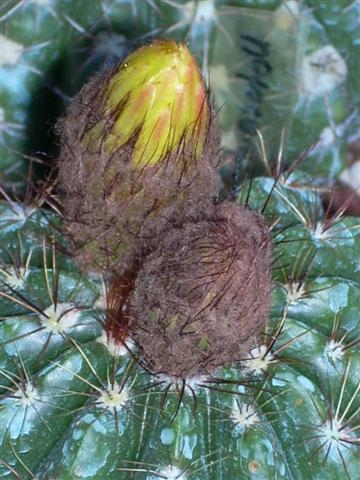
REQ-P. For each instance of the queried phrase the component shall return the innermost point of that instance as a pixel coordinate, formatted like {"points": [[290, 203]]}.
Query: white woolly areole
{"points": [[27, 395], [171, 472], [10, 51], [294, 291], [327, 138], [19, 213], [322, 71], [319, 232], [351, 176], [259, 360], [110, 43], [244, 415], [177, 383], [332, 431], [199, 12], [334, 350], [60, 319], [14, 277], [115, 348], [114, 397]]}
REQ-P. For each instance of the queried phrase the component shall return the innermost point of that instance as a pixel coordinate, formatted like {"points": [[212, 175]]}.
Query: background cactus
{"points": [[75, 404]]}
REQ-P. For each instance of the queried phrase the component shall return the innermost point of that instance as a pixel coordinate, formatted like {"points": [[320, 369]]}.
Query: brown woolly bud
{"points": [[202, 297], [139, 144]]}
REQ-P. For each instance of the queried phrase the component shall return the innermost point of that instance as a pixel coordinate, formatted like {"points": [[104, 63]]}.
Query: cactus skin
{"points": [[76, 406]]}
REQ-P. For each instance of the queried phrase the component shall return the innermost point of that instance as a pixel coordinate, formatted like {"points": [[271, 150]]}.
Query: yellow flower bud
{"points": [[157, 98], [139, 149]]}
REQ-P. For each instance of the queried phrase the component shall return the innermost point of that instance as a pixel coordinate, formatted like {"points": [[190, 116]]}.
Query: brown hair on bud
{"points": [[202, 297], [139, 143]]}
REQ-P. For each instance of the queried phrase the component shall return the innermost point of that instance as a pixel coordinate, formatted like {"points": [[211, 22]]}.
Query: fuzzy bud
{"points": [[202, 298], [139, 149]]}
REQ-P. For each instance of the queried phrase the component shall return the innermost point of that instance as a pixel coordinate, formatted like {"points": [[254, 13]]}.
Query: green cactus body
{"points": [[78, 403], [77, 406]]}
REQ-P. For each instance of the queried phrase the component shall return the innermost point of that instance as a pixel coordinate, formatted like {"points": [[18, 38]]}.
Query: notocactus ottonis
{"points": [[142, 135], [77, 406]]}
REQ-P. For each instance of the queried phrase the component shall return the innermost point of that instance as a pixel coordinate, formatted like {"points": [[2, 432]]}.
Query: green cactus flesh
{"points": [[76, 405]]}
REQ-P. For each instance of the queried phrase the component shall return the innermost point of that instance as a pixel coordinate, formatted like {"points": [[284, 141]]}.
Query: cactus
{"points": [[176, 366]]}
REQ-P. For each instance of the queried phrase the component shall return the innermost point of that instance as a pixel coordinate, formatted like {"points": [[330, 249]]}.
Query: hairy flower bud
{"points": [[139, 149], [202, 298]]}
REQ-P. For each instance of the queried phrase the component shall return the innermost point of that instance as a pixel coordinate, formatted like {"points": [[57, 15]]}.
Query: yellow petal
{"points": [[158, 98]]}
